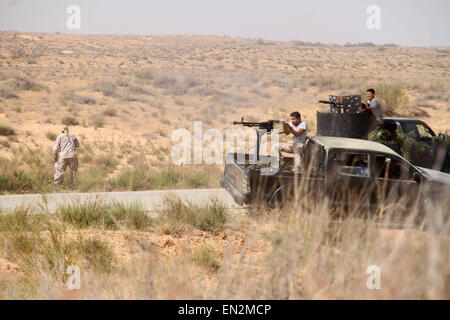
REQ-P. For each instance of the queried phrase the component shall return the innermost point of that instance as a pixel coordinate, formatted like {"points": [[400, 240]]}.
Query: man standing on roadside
{"points": [[374, 105], [66, 145]]}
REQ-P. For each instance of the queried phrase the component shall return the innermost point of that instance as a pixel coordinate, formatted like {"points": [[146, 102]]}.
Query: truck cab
{"points": [[426, 149]]}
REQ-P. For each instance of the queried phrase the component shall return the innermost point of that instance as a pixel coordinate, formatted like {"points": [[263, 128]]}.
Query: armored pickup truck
{"points": [[416, 141], [345, 170], [411, 138]]}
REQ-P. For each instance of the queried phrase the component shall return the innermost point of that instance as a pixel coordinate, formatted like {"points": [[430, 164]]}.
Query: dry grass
{"points": [[300, 253], [178, 215], [207, 256], [171, 177], [97, 214], [127, 95], [143, 89], [32, 170], [8, 93], [108, 88]]}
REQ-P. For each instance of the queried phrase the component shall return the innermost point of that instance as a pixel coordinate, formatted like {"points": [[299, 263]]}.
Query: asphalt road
{"points": [[150, 200]]}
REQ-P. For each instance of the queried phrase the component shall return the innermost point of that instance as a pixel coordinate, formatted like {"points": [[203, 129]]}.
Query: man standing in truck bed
{"points": [[374, 105], [298, 129]]}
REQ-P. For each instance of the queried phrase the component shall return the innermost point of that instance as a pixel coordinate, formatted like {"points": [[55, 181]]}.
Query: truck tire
{"points": [[280, 197]]}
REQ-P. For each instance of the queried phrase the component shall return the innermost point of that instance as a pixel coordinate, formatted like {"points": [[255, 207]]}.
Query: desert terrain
{"points": [[123, 96]]}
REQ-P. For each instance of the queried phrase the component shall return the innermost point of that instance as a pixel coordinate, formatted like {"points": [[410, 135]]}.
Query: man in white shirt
{"points": [[374, 105], [298, 129]]}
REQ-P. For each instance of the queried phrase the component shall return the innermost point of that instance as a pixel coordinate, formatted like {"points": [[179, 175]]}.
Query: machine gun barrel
{"points": [[331, 102], [268, 125], [334, 104]]}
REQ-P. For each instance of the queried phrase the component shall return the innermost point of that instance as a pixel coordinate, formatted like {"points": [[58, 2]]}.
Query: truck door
{"points": [[395, 183], [349, 181], [419, 145]]}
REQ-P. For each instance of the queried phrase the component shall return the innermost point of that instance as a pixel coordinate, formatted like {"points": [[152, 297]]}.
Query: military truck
{"points": [[347, 171], [411, 138], [343, 165]]}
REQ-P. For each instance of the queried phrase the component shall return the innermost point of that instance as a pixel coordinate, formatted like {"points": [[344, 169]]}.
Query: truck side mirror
{"points": [[441, 137]]}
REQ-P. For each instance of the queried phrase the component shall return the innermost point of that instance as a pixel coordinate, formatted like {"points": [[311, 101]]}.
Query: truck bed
{"points": [[249, 183]]}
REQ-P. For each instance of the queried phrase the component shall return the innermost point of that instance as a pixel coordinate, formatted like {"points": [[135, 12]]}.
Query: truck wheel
{"points": [[279, 198], [275, 201]]}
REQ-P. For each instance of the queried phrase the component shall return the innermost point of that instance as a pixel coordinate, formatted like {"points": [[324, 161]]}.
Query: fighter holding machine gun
{"points": [[298, 129]]}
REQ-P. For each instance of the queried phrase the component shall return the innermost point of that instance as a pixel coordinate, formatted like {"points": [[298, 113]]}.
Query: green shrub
{"points": [[95, 213], [21, 219], [135, 216], [144, 75], [106, 87], [106, 163], [447, 141], [166, 178], [99, 254], [51, 136], [177, 215], [70, 121], [207, 256], [51, 253], [24, 83], [165, 82], [8, 93], [15, 180], [40, 169], [29, 171], [91, 179], [70, 95], [130, 180], [110, 112], [171, 177], [6, 130], [98, 122]]}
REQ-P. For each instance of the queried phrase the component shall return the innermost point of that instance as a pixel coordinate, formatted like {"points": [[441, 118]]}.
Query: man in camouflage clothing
{"points": [[66, 145]]}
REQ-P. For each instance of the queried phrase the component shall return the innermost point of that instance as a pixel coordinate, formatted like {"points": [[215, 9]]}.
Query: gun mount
{"points": [[333, 105], [263, 127], [345, 119]]}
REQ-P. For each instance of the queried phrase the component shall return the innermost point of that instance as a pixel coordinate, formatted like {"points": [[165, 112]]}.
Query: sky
{"points": [[402, 22]]}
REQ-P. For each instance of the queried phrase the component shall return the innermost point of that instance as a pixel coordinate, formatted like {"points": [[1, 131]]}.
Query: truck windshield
{"points": [[417, 130], [424, 132], [392, 168], [409, 128], [346, 163]]}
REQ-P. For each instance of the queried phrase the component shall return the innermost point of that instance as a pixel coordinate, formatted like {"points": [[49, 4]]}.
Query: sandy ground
{"points": [[129, 93]]}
